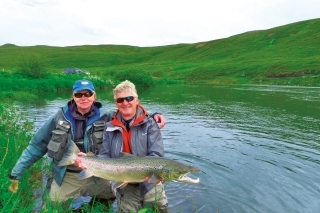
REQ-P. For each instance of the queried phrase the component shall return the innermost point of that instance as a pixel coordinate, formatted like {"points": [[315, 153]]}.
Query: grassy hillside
{"points": [[288, 55]]}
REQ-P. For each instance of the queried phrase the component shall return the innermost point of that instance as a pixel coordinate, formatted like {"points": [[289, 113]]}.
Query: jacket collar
{"points": [[140, 116]]}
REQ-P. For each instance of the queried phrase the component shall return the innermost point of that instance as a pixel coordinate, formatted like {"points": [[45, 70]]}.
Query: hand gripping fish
{"points": [[129, 168]]}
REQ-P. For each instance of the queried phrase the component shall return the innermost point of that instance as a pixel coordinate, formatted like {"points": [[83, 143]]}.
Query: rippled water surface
{"points": [[258, 147]]}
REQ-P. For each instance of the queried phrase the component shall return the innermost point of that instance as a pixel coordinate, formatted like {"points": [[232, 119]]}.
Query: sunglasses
{"points": [[128, 99], [85, 94]]}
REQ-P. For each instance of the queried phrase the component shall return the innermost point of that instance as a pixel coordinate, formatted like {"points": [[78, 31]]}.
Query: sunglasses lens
{"points": [[128, 99], [119, 100], [77, 95], [86, 94]]}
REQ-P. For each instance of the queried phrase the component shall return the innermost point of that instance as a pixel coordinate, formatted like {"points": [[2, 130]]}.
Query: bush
{"points": [[33, 66], [138, 77]]}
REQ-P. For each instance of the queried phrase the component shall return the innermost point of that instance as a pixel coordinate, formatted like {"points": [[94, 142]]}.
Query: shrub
{"points": [[137, 76], [33, 66]]}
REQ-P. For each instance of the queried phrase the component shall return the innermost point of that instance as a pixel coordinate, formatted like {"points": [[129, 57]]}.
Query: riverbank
{"points": [[20, 88]]}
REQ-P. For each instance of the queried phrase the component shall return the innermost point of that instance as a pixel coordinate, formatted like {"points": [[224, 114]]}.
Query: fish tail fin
{"points": [[70, 156]]}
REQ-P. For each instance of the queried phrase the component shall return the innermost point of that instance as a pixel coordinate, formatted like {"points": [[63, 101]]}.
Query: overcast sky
{"points": [[142, 22]]}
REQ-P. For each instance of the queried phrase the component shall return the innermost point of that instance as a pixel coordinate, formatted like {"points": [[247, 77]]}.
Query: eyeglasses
{"points": [[128, 99], [85, 94]]}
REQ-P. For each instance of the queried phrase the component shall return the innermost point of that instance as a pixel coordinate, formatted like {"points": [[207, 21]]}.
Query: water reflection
{"points": [[258, 148]]}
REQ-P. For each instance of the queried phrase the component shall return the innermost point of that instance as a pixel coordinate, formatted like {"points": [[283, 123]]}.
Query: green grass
{"points": [[251, 57]]}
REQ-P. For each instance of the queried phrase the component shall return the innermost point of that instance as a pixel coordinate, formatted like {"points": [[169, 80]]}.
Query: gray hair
{"points": [[125, 86]]}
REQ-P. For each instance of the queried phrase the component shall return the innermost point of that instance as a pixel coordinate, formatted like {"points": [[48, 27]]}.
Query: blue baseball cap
{"points": [[83, 85]]}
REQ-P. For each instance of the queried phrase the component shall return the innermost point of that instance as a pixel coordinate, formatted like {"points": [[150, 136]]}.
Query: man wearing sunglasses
{"points": [[133, 131], [81, 120]]}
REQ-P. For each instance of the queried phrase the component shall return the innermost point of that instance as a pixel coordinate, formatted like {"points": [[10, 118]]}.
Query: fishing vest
{"points": [[61, 136]]}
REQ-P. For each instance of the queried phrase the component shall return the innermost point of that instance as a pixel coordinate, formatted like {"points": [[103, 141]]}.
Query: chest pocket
{"points": [[97, 132], [57, 144]]}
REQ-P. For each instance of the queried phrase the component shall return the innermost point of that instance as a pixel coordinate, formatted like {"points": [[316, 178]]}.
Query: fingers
{"points": [[161, 120], [162, 124]]}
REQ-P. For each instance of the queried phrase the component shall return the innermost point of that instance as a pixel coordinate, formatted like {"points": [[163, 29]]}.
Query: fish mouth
{"points": [[185, 178]]}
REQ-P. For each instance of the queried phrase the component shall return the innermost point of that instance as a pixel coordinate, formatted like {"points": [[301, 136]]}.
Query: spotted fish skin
{"points": [[129, 168]]}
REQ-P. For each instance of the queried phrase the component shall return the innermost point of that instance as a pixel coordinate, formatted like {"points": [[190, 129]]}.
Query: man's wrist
{"points": [[155, 113]]}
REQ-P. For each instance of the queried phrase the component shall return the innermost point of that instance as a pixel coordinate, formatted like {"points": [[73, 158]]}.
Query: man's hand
{"points": [[160, 119], [78, 161], [14, 186]]}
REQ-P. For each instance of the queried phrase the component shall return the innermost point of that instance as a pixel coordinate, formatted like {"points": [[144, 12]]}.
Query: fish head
{"points": [[177, 171]]}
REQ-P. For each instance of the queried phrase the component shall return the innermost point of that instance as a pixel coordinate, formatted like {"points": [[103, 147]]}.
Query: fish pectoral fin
{"points": [[153, 179], [85, 174], [120, 185]]}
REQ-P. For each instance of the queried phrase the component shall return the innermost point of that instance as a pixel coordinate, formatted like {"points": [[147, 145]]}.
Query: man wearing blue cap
{"points": [[82, 122]]}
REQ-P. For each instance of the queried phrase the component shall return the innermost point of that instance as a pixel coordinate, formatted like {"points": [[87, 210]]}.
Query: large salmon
{"points": [[129, 168]]}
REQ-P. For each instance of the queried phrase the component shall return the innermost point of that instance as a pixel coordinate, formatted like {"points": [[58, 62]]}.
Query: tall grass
{"points": [[14, 138]]}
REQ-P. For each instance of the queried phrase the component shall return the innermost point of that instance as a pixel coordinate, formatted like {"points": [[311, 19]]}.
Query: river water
{"points": [[257, 147]]}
